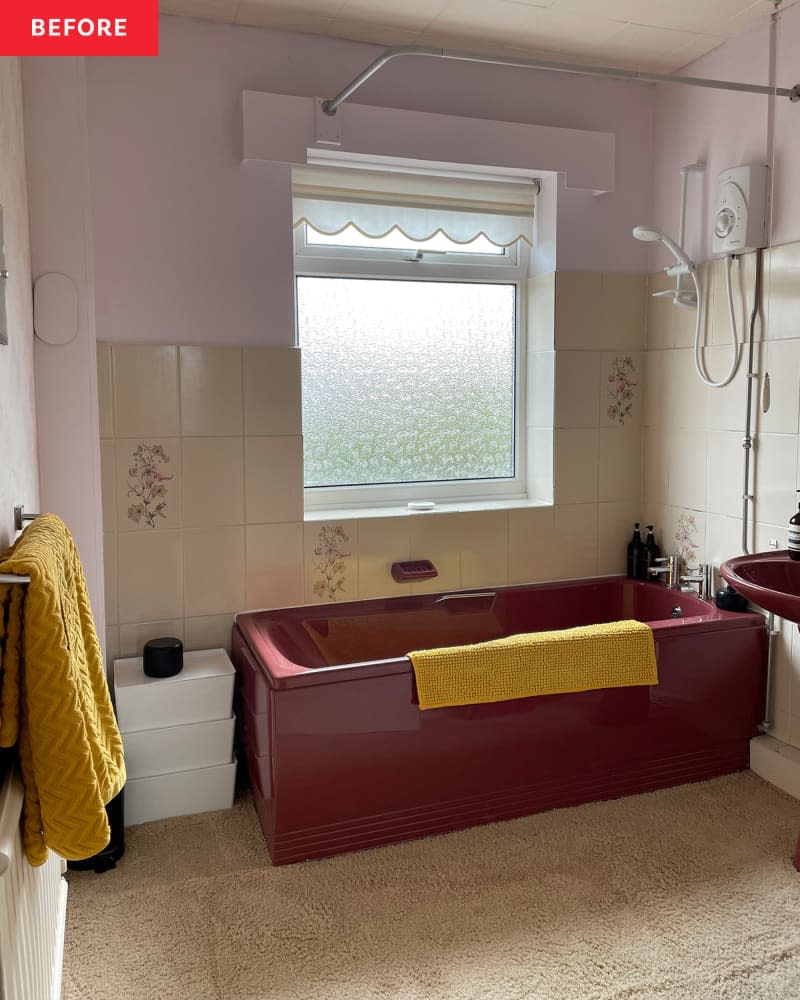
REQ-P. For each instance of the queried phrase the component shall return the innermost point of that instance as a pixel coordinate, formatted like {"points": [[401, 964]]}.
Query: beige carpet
{"points": [[687, 894]]}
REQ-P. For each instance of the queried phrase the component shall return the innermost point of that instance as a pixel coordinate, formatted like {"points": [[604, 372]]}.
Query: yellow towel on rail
{"points": [[617, 654], [54, 699]]}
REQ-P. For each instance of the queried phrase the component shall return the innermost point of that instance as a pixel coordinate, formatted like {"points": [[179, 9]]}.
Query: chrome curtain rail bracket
{"points": [[330, 106]]}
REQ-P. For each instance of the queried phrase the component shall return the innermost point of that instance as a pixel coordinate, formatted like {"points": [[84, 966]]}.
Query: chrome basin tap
{"points": [[667, 567]]}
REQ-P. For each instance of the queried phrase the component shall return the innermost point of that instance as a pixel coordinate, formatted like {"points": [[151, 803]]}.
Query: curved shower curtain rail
{"points": [[331, 106]]}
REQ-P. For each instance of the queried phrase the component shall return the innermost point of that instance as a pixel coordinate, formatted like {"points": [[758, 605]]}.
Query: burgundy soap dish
{"points": [[416, 569]]}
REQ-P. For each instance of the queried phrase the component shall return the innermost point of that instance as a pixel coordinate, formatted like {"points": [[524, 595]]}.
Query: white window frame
{"points": [[510, 268]]}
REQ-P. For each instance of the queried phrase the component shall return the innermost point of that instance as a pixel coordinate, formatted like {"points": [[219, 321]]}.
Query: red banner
{"points": [[79, 28]]}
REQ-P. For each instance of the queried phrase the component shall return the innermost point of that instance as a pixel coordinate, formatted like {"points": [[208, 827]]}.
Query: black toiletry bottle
{"points": [[635, 553], [651, 552], [794, 534]]}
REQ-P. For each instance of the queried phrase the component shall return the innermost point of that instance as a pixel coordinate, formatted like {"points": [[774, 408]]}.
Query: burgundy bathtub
{"points": [[340, 756]]}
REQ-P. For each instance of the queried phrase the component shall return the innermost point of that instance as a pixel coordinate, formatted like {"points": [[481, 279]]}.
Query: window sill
{"points": [[462, 507]]}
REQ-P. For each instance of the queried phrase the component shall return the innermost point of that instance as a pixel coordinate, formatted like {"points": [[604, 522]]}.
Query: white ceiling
{"points": [[659, 35]]}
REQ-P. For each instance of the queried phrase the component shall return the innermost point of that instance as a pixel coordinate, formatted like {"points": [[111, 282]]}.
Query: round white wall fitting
{"points": [[55, 308]]}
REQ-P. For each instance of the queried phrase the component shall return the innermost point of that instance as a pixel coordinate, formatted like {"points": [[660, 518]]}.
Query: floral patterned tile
{"points": [[331, 561], [621, 389], [687, 537], [148, 483]]}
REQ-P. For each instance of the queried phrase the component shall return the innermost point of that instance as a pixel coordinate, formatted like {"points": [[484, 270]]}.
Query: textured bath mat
{"points": [[682, 894]]}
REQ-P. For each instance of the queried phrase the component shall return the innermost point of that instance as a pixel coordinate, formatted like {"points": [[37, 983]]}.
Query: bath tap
{"points": [[702, 577], [667, 566]]}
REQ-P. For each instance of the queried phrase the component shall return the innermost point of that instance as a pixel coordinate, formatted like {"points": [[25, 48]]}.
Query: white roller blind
{"points": [[331, 198]]}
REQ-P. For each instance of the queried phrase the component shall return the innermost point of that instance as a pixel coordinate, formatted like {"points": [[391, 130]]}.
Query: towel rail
{"points": [[20, 517]]}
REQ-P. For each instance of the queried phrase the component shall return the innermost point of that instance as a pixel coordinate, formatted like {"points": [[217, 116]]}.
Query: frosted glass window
{"points": [[406, 381]]}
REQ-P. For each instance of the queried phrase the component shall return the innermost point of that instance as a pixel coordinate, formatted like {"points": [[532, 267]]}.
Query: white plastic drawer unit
{"points": [[201, 692], [182, 793], [177, 748]]}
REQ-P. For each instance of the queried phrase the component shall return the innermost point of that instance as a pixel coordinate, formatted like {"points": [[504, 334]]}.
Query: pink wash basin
{"points": [[769, 579]]}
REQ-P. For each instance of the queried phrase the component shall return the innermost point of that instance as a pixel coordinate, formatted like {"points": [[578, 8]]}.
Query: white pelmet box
{"points": [[181, 793], [201, 692], [178, 748]]}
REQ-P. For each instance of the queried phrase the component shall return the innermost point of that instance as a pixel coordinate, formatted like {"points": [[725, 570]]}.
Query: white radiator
{"points": [[33, 910]]}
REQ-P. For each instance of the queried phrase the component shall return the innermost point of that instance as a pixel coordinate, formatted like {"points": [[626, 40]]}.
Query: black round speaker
{"points": [[163, 657]]}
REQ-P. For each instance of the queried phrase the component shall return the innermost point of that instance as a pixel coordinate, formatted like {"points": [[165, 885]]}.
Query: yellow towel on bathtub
{"points": [[617, 654], [54, 698]]}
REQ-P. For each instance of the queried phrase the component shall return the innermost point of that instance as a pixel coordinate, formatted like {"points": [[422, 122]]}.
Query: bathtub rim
{"points": [[281, 672]]}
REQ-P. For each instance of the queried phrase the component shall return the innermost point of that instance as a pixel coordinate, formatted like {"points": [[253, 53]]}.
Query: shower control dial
{"points": [[740, 217]]}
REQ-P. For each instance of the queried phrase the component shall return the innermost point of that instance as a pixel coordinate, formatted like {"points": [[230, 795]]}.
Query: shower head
{"points": [[649, 234]]}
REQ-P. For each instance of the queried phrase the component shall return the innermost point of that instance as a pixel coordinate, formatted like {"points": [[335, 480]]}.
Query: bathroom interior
{"points": [[158, 393]]}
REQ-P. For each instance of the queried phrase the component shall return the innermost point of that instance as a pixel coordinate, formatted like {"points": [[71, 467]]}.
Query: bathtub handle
{"points": [[485, 594]]}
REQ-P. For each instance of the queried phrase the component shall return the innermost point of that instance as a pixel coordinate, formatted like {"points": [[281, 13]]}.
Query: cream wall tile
{"points": [[133, 637], [540, 464], [620, 464], [718, 329], [687, 396], [541, 312], [274, 565], [150, 575], [615, 521], [621, 389], [533, 551], [112, 647], [775, 477], [781, 725], [578, 311], [213, 481], [576, 466], [783, 364], [213, 567], [577, 388], [655, 467], [687, 458], [784, 683], [107, 480], [209, 632], [148, 479], [330, 561], [725, 407], [668, 325], [381, 542], [272, 391], [105, 390], [767, 535], [273, 479], [111, 577], [660, 331], [783, 292], [540, 389], [654, 396], [724, 476], [723, 541], [624, 311], [146, 400], [484, 549], [437, 537], [211, 391], [576, 530]]}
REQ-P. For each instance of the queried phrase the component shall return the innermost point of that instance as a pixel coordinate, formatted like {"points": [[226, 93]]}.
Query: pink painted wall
{"points": [[190, 246], [19, 479], [725, 129]]}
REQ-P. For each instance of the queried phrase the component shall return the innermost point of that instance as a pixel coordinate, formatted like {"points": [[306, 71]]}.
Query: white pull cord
{"points": [[698, 361]]}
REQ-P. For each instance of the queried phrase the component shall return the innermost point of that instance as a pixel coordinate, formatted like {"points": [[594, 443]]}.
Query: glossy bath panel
{"points": [[341, 757]]}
